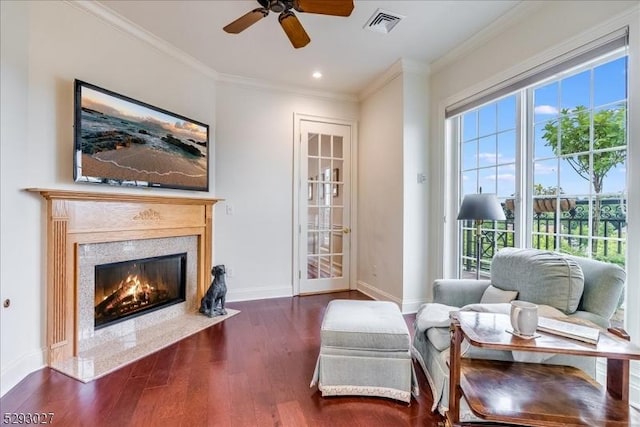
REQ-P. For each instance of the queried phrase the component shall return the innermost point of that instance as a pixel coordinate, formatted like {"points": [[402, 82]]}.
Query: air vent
{"points": [[382, 21]]}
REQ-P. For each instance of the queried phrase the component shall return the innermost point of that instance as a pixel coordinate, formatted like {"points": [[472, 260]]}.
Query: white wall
{"points": [[45, 46], [21, 339], [392, 246], [549, 30], [416, 197], [254, 174], [380, 193]]}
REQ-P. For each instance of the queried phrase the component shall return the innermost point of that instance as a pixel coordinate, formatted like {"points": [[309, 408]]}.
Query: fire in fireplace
{"points": [[131, 288]]}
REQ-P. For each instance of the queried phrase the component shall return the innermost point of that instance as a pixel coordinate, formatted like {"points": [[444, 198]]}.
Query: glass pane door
{"points": [[325, 225]]}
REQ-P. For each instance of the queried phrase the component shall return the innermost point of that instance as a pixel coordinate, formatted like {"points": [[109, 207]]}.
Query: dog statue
{"points": [[212, 303]]}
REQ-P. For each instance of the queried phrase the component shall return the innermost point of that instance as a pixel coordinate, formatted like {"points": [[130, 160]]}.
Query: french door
{"points": [[324, 208]]}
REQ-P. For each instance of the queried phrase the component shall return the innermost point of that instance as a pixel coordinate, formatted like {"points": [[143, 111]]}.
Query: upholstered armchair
{"points": [[561, 285]]}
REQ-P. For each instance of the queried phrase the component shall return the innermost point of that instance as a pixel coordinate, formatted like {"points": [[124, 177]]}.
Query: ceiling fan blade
{"points": [[296, 33], [325, 7], [246, 20]]}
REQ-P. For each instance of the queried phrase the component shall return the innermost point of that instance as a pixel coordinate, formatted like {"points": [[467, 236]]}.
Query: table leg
{"points": [[618, 378], [453, 415], [618, 371]]}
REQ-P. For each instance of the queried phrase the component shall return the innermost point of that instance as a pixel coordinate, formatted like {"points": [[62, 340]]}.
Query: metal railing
{"points": [[574, 226]]}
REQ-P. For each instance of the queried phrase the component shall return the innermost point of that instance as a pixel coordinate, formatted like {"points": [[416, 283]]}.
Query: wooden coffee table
{"points": [[532, 394]]}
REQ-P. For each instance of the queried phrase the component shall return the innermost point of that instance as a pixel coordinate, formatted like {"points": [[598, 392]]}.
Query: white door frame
{"points": [[297, 191]]}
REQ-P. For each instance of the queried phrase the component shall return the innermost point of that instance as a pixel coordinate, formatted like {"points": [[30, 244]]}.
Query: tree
{"points": [[569, 137]]}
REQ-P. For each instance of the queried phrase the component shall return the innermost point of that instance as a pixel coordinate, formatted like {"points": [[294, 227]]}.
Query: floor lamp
{"points": [[480, 207]]}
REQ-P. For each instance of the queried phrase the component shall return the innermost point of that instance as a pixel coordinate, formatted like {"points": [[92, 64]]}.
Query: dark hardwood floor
{"points": [[253, 369]]}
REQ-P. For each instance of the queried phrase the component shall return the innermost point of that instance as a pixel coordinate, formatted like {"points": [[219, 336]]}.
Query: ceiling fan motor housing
{"points": [[276, 6]]}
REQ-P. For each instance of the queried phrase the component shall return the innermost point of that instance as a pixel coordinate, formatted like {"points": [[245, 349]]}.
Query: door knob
{"points": [[346, 230]]}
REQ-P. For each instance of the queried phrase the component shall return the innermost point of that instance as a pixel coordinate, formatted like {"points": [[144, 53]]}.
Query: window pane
{"points": [[506, 181], [487, 119], [470, 126], [545, 176], [506, 147], [575, 91], [488, 180], [337, 147], [610, 82], [325, 145], [545, 102], [612, 167], [313, 168], [487, 155], [470, 183], [313, 144], [469, 155], [543, 133], [507, 113], [574, 246], [574, 175], [609, 127]]}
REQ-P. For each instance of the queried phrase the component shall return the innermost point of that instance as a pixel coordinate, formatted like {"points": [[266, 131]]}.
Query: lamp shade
{"points": [[480, 207]]}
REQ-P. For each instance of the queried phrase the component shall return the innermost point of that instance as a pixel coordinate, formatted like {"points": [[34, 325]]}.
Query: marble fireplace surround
{"points": [[84, 225]]}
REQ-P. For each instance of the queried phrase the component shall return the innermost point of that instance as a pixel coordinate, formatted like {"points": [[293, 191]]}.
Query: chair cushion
{"points": [[358, 325], [541, 277]]}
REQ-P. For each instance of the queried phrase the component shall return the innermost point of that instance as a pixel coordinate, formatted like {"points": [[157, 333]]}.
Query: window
{"points": [[488, 164], [579, 155], [555, 154]]}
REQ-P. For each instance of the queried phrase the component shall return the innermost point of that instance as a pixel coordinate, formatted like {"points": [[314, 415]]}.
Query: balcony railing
{"points": [[572, 228]]}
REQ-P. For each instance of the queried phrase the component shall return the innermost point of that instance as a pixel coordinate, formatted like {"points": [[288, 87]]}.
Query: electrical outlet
{"points": [[229, 209], [229, 272], [374, 270]]}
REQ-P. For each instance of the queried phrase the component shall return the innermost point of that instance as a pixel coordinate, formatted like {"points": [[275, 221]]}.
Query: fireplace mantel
{"points": [[77, 217]]}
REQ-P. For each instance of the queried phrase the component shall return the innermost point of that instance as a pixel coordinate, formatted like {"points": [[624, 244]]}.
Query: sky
{"points": [[113, 106], [489, 133]]}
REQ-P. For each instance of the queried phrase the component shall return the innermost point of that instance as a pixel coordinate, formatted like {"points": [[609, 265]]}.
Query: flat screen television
{"points": [[124, 142]]}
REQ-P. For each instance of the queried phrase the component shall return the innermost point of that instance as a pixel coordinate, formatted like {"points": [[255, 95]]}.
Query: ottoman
{"points": [[365, 351]]}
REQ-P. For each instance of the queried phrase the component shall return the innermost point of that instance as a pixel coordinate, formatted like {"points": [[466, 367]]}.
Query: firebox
{"points": [[131, 288]]}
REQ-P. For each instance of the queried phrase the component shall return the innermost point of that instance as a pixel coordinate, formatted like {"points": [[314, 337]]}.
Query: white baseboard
{"points": [[406, 306], [19, 369], [375, 293], [248, 294], [412, 306]]}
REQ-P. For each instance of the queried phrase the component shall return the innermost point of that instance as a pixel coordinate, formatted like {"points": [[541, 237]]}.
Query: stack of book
{"points": [[569, 330]]}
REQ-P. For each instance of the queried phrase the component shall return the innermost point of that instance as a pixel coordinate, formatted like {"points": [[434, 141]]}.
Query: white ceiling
{"points": [[349, 57]]}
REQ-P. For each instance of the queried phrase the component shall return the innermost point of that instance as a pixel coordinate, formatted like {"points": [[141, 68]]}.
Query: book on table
{"points": [[569, 330]]}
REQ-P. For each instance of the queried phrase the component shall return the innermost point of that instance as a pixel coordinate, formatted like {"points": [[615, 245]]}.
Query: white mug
{"points": [[524, 317]]}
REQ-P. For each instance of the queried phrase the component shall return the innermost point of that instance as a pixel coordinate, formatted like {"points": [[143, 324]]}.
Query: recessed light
{"points": [[317, 75]]}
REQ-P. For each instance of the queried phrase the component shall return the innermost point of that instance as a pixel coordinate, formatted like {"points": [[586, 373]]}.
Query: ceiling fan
{"points": [[288, 20]]}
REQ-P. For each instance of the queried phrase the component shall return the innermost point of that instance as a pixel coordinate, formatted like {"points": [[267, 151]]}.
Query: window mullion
{"points": [[524, 176]]}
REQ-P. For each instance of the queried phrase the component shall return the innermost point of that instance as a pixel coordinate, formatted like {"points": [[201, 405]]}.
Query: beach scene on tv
{"points": [[125, 143]]}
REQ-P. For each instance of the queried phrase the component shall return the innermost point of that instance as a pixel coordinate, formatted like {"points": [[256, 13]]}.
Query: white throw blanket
{"points": [[435, 315]]}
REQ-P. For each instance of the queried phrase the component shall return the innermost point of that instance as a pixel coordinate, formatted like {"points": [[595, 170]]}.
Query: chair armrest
{"points": [[459, 292]]}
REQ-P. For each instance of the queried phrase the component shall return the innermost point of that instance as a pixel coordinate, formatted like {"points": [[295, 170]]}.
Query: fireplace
{"points": [[131, 288], [85, 229]]}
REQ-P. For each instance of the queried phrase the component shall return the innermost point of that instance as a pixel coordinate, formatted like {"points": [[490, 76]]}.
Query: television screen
{"points": [[121, 141]]}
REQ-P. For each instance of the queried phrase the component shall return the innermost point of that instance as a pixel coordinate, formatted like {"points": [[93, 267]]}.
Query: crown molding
{"points": [[123, 24], [399, 67], [281, 87], [504, 21]]}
